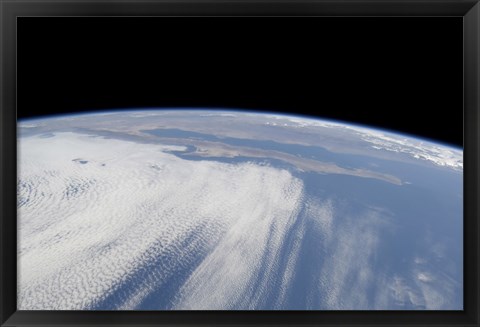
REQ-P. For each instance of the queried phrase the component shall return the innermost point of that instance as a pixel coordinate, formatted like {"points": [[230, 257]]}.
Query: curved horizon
{"points": [[249, 111]]}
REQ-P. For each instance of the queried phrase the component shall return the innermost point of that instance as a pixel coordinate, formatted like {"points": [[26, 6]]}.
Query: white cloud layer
{"points": [[93, 212]]}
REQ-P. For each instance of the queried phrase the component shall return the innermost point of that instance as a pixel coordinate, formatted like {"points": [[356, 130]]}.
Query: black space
{"points": [[403, 74]]}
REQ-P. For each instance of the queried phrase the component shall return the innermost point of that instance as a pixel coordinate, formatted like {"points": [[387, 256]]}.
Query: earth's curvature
{"points": [[231, 210]]}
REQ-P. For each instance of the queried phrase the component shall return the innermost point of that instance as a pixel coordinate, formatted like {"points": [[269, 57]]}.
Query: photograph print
{"points": [[239, 163]]}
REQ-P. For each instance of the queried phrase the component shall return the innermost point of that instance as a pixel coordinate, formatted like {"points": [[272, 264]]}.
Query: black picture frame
{"points": [[10, 10]]}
